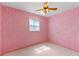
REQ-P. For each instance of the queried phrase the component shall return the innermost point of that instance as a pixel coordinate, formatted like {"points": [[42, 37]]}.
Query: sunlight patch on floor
{"points": [[42, 49]]}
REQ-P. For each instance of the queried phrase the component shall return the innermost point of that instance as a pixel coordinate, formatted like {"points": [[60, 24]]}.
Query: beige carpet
{"points": [[43, 49]]}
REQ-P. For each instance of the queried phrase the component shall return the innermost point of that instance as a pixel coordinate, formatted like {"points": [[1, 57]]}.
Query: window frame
{"points": [[34, 25]]}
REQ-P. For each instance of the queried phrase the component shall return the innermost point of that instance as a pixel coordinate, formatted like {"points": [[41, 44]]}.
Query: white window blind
{"points": [[34, 25]]}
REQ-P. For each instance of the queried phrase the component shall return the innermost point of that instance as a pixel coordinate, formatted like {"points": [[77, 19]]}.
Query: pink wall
{"points": [[64, 29], [0, 33], [61, 29], [15, 29]]}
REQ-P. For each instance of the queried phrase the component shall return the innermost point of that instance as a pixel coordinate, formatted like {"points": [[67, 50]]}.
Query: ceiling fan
{"points": [[46, 9]]}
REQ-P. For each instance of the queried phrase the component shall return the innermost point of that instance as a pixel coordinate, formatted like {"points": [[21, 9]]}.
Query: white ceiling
{"points": [[33, 6]]}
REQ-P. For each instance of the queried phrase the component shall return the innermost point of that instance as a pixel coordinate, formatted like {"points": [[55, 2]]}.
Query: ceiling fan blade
{"points": [[42, 11], [52, 8], [39, 10]]}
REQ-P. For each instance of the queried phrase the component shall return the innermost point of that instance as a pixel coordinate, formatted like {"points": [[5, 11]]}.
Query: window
{"points": [[34, 25]]}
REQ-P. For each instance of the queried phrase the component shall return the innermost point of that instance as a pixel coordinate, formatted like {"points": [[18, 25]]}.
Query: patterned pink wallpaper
{"points": [[64, 29], [61, 29], [15, 29], [0, 32]]}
